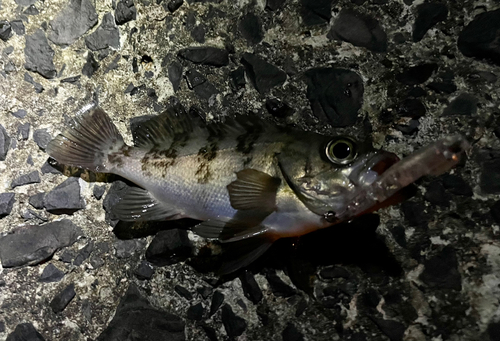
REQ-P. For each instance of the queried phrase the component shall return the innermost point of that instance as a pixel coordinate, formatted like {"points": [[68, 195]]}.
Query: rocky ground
{"points": [[401, 72]]}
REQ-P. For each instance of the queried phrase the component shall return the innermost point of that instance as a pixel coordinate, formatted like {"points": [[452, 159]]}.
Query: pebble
{"points": [[65, 197], [6, 203], [291, 333], [25, 331], [411, 107], [456, 185], [18, 27], [183, 292], [144, 271], [436, 194], [51, 274], [21, 113], [238, 78], [278, 108], [23, 131], [169, 247], [198, 33], [250, 27], [251, 288], [83, 254], [175, 74], [39, 55], [26, 179], [4, 143], [5, 30], [428, 15], [90, 66], [125, 12], [62, 299], [416, 74], [72, 22], [315, 12], [263, 75], [38, 87], [195, 312], [36, 200], [127, 248], [217, 300], [233, 324], [464, 104], [174, 5], [441, 270], [205, 55], [98, 191], [274, 5], [495, 212], [106, 35], [42, 138]]}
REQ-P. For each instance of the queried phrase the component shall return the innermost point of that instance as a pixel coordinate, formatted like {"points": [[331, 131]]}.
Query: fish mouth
{"points": [[374, 168]]}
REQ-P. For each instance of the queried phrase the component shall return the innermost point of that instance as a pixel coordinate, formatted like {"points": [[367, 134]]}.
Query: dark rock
{"points": [[33, 244], [195, 312], [416, 74], [441, 270], [106, 35], [489, 180], [394, 330], [317, 12], [25, 3], [436, 194], [98, 191], [493, 331], [334, 272], [127, 248], [250, 27], [18, 27], [335, 95], [464, 104], [198, 33], [263, 75], [62, 299], [175, 74], [67, 256], [25, 332], [36, 200], [480, 38], [238, 77], [408, 129], [23, 131], [495, 212], [31, 10], [49, 168], [174, 5], [234, 325], [197, 82], [38, 87], [278, 108], [279, 287], [442, 87], [51, 274], [274, 5], [38, 55], [414, 213], [398, 232], [428, 15], [360, 30], [83, 254], [250, 287], [217, 300], [6, 203], [117, 191], [2, 327], [72, 22], [399, 38], [144, 271], [26, 179], [90, 66], [411, 107], [135, 316], [113, 65], [291, 333], [129, 88], [205, 55], [9, 67], [4, 143], [5, 30], [42, 138], [169, 247], [65, 197], [125, 12], [71, 80], [96, 261], [456, 185], [183, 292], [205, 291], [8, 50], [487, 76], [210, 332]]}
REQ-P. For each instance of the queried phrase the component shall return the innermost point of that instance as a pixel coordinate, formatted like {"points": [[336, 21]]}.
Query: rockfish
{"points": [[248, 181]]}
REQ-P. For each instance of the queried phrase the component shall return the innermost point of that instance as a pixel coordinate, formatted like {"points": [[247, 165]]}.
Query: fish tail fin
{"points": [[89, 143]]}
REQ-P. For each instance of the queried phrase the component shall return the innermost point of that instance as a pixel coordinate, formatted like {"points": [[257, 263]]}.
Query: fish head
{"points": [[326, 173]]}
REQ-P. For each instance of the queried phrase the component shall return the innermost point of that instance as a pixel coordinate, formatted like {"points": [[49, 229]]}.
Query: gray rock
{"points": [[21, 113], [98, 191], [25, 3], [26, 179], [125, 11], [5, 30], [48, 168], [264, 76], [32, 10], [38, 87], [126, 248], [33, 244], [23, 131], [135, 316], [9, 67], [62, 299], [18, 27], [64, 197], [51, 274], [25, 332], [37, 200], [6, 203], [106, 35], [4, 143], [83, 254], [8, 50], [39, 55], [175, 74], [90, 66], [42, 138], [72, 22]]}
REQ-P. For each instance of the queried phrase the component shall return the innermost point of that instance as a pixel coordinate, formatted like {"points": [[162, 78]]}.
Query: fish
{"points": [[248, 181]]}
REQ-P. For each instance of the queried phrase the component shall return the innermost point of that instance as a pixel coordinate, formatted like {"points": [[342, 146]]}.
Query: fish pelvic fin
{"points": [[92, 142]]}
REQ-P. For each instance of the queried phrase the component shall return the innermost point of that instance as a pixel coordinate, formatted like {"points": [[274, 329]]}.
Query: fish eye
{"points": [[341, 151]]}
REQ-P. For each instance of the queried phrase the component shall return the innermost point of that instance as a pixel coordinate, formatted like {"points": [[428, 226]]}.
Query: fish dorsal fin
{"points": [[160, 131], [139, 205], [253, 190]]}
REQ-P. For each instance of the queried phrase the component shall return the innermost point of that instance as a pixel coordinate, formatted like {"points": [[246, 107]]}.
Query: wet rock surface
{"points": [[398, 74]]}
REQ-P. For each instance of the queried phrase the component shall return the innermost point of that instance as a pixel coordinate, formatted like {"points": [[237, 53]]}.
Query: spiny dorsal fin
{"points": [[253, 190], [139, 205]]}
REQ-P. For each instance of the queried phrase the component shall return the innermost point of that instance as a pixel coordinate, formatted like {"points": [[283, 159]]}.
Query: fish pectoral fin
{"points": [[253, 190], [139, 205], [243, 252]]}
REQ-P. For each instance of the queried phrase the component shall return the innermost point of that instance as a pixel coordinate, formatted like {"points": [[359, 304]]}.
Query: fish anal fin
{"points": [[253, 190], [139, 205]]}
